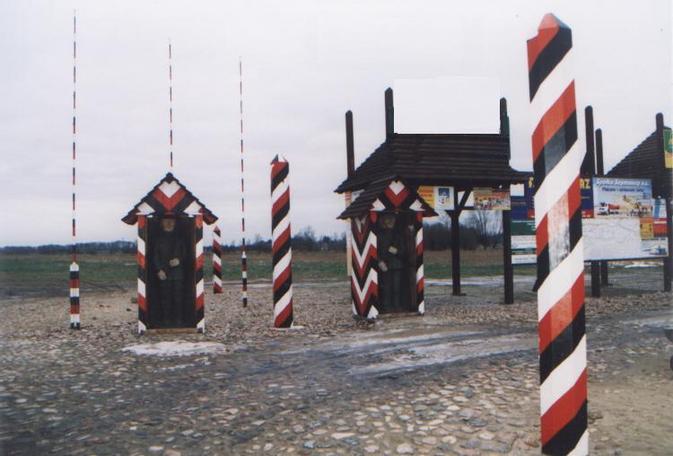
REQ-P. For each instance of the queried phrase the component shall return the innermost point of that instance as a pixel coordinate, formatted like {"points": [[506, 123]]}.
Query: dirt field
{"points": [[460, 380]]}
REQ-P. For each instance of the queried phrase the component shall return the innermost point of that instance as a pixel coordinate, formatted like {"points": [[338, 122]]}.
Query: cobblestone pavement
{"points": [[460, 380]]}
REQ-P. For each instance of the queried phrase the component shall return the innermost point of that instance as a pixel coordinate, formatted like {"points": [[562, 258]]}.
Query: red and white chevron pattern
{"points": [[143, 310], [364, 273]]}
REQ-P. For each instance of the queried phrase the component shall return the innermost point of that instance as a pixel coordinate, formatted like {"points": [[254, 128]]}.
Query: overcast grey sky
{"points": [[305, 64]]}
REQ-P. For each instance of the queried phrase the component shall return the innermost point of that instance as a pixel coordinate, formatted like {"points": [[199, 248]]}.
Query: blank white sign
{"points": [[447, 105]]}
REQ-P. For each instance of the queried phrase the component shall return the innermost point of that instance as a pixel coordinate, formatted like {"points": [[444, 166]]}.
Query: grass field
{"points": [[47, 274]]}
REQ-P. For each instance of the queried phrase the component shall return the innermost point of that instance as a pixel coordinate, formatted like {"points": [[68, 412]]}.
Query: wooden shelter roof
{"points": [[646, 161], [438, 159], [169, 196]]}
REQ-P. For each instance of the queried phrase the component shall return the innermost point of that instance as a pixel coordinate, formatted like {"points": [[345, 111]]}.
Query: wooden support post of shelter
{"points": [[600, 171], [508, 269], [668, 260], [350, 169], [588, 170]]}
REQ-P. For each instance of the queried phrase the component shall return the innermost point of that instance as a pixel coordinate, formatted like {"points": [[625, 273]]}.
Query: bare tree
{"points": [[488, 225]]}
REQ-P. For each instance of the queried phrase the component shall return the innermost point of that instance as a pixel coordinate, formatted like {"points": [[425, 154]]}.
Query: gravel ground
{"points": [[460, 380]]}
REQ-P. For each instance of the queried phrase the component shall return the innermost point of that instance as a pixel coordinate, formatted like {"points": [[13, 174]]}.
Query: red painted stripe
{"points": [[165, 201], [565, 409], [554, 119], [541, 236], [361, 269], [142, 303], [420, 285], [277, 168], [141, 259], [217, 268], [561, 314], [284, 315], [361, 306], [198, 303], [74, 283], [282, 201], [546, 32], [574, 197], [282, 278], [198, 263], [280, 240], [396, 199]]}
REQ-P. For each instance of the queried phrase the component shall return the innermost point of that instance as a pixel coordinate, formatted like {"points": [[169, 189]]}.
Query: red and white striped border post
{"points": [[281, 248], [199, 298], [170, 104], [217, 261], [557, 157], [244, 257], [74, 267]]}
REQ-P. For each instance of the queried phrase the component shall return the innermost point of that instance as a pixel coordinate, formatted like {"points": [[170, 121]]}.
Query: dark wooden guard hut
{"points": [[653, 159], [175, 298], [398, 167]]}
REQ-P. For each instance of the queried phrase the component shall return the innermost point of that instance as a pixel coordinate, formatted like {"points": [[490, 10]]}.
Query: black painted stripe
{"points": [[281, 252], [280, 177], [284, 288], [198, 275], [280, 214], [74, 301], [287, 322], [567, 438], [542, 265], [547, 60], [555, 149], [575, 227], [562, 346]]}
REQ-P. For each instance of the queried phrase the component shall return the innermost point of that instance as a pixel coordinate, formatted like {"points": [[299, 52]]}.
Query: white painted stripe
{"points": [[560, 280], [421, 308], [582, 447], [419, 236], [277, 192], [420, 272], [563, 377], [244, 274], [282, 265], [244, 294], [396, 186], [216, 259], [199, 288], [141, 245], [201, 325], [279, 229], [557, 182], [74, 267], [199, 248], [355, 309], [282, 303], [74, 318], [416, 206], [552, 87], [74, 292], [145, 208], [217, 280], [141, 327], [373, 313], [194, 208], [169, 188], [141, 288], [378, 206]]}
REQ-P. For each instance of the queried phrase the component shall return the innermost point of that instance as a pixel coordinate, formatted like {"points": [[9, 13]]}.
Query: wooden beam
{"points": [[507, 256]]}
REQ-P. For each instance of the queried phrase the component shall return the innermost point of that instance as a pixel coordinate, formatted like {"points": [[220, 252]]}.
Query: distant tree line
{"points": [[481, 229]]}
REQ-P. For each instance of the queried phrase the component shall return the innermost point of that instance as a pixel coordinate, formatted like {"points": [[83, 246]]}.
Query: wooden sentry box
{"points": [[170, 196]]}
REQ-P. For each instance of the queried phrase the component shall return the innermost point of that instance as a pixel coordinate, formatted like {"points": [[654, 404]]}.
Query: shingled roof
{"points": [[465, 160], [646, 161]]}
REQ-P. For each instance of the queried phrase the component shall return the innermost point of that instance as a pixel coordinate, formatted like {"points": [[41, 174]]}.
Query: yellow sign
{"points": [[646, 228], [427, 192]]}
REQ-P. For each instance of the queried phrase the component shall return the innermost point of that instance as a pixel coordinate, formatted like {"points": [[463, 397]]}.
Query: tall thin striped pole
{"points": [[217, 260], [281, 237], [170, 104], [74, 267], [557, 158], [244, 258]]}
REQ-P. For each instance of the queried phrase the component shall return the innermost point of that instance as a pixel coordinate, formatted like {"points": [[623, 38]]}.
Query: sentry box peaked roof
{"points": [[169, 196]]}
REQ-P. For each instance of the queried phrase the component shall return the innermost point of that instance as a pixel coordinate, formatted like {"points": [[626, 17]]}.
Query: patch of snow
{"points": [[176, 348], [640, 264]]}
